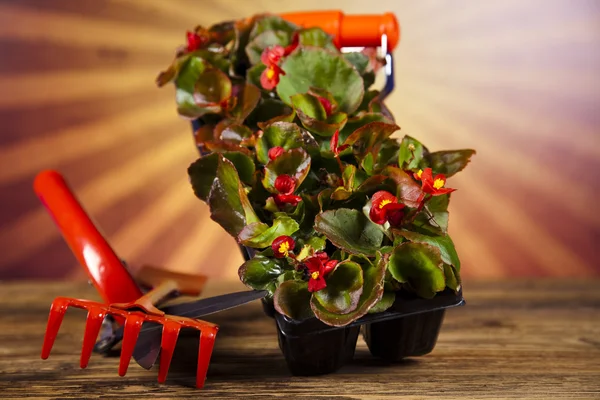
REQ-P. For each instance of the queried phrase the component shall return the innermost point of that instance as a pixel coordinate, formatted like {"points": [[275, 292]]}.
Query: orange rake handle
{"points": [[351, 30], [104, 268]]}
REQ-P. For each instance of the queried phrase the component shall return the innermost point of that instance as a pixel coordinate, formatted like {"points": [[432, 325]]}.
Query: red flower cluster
{"points": [[283, 246], [271, 57], [286, 185], [195, 41], [385, 208], [434, 185], [318, 267]]}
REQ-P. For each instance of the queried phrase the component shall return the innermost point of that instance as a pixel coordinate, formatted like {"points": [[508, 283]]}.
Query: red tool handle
{"points": [[351, 30], [93, 252]]}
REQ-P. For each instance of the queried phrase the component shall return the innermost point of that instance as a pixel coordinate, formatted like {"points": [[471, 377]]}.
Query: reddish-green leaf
{"points": [[343, 290], [350, 230], [449, 162], [369, 138], [228, 202], [420, 267], [373, 274], [261, 235], [292, 299]]}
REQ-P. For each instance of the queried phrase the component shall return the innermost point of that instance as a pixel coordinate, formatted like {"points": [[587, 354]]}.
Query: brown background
{"points": [[517, 80]]}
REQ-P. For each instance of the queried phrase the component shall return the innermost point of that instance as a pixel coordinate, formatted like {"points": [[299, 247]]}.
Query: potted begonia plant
{"points": [[344, 225]]}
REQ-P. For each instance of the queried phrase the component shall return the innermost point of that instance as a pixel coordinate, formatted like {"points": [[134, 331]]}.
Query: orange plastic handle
{"points": [[105, 269], [351, 30]]}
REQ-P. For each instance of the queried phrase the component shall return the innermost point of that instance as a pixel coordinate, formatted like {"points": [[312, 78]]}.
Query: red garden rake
{"points": [[124, 300]]}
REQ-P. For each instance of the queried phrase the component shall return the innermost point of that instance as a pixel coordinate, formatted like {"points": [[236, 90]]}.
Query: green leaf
{"points": [[316, 242], [204, 170], [200, 88], [344, 287], [316, 37], [246, 97], [387, 300], [271, 23], [314, 117], [373, 275], [243, 164], [212, 87], [259, 235], [283, 134], [294, 162], [449, 162], [269, 111], [443, 243], [260, 273], [358, 60], [437, 206], [359, 121], [407, 190], [228, 202], [270, 38], [292, 299], [420, 266], [452, 278], [325, 128], [411, 153], [316, 67], [369, 186], [309, 105], [370, 137], [388, 154], [202, 174], [350, 230]]}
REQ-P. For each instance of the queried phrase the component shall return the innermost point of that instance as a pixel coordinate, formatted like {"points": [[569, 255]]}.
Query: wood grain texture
{"points": [[517, 340], [516, 80]]}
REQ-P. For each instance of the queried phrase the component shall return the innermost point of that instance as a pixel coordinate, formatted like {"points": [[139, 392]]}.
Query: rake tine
{"points": [[55, 318], [92, 328], [133, 324], [207, 341], [170, 333]]}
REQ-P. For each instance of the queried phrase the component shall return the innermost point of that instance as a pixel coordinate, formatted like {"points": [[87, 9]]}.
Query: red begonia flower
{"points": [[434, 185], [194, 41], [272, 55], [283, 246], [385, 208], [269, 78], [283, 199], [316, 274], [285, 184], [275, 152]]}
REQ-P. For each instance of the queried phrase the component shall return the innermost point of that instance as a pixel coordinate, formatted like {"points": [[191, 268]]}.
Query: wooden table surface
{"points": [[526, 340]]}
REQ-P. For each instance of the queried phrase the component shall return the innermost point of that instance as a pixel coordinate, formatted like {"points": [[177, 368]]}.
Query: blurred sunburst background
{"points": [[517, 80]]}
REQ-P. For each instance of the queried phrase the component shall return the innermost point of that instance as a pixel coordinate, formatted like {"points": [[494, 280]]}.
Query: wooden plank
{"points": [[513, 340]]}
